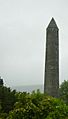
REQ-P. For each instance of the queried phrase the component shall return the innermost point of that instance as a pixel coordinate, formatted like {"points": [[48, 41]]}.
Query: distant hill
{"points": [[28, 88]]}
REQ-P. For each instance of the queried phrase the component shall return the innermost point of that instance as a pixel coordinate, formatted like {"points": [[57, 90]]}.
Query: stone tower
{"points": [[51, 80]]}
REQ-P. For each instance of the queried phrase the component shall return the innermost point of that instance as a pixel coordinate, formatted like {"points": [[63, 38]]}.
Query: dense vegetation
{"points": [[35, 105], [63, 91]]}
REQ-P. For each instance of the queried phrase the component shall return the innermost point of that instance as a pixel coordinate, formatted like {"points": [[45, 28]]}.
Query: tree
{"points": [[7, 99], [63, 91], [38, 106], [1, 81]]}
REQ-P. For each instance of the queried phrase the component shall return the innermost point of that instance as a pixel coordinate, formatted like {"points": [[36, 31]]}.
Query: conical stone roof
{"points": [[52, 24]]}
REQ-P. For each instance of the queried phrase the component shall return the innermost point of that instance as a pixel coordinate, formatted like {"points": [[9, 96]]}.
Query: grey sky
{"points": [[22, 39]]}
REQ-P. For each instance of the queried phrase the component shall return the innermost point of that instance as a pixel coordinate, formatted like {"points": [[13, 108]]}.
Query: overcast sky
{"points": [[23, 36]]}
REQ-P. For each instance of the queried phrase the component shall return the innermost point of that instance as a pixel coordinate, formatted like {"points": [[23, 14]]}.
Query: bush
{"points": [[63, 91], [38, 106]]}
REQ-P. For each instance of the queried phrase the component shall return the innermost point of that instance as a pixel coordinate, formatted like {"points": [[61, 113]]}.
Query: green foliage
{"points": [[3, 115], [7, 99], [35, 105], [38, 106], [63, 91]]}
